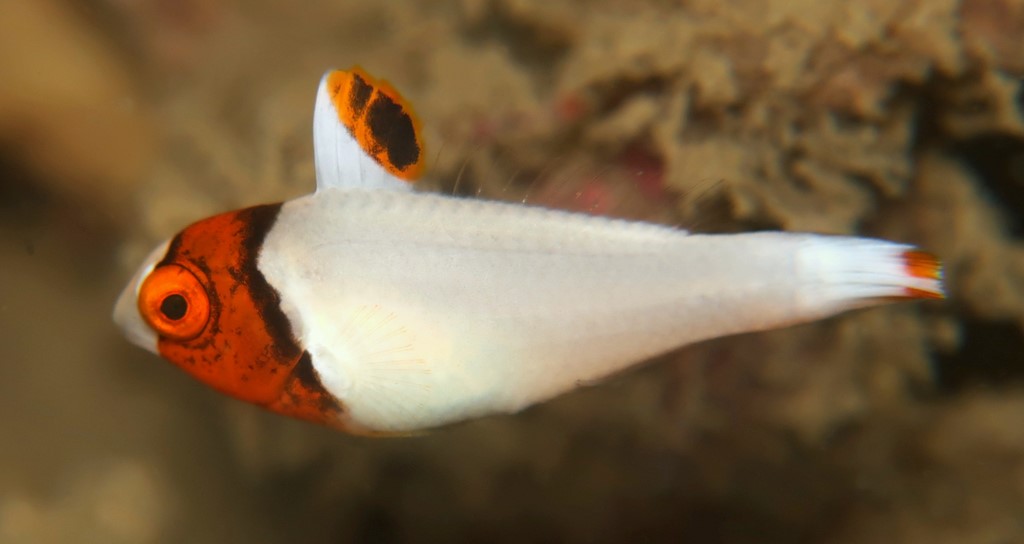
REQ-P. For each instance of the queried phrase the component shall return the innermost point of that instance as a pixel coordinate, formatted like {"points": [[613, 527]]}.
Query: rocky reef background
{"points": [[122, 121]]}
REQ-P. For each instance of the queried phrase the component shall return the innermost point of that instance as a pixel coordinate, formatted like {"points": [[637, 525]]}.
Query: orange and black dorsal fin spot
{"points": [[365, 133], [379, 119]]}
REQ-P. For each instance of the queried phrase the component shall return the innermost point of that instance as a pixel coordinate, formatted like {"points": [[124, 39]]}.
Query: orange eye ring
{"points": [[174, 303]]}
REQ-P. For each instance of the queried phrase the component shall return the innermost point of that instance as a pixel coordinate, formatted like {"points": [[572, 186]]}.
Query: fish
{"points": [[376, 309]]}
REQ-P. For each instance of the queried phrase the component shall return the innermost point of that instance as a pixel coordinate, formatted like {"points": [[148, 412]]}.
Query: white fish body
{"points": [[421, 309]]}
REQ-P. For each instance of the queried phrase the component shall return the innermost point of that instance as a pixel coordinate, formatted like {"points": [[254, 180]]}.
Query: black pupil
{"points": [[174, 307]]}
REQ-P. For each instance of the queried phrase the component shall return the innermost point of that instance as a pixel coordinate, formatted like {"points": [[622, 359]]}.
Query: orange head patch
{"points": [[380, 120], [218, 319]]}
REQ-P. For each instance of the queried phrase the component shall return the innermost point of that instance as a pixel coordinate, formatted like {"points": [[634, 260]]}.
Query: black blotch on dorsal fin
{"points": [[393, 129]]}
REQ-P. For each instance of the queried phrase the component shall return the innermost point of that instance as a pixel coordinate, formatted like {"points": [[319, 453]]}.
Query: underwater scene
{"points": [[561, 389]]}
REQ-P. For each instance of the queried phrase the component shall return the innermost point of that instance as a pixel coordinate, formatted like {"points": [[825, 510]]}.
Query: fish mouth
{"points": [[126, 310], [127, 317]]}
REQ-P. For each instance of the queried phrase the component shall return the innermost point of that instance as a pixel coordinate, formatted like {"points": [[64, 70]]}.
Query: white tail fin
{"points": [[852, 272]]}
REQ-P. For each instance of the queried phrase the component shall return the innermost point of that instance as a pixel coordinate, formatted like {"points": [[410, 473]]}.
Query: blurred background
{"points": [[123, 120]]}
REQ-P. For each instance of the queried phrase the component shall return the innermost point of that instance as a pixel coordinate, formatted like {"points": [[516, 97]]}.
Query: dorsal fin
{"points": [[365, 135]]}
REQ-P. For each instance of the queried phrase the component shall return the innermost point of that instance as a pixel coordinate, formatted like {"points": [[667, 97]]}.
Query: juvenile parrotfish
{"points": [[376, 309]]}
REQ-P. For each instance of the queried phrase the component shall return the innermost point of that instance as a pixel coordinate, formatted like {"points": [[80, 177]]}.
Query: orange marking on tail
{"points": [[922, 264], [380, 120], [911, 292]]}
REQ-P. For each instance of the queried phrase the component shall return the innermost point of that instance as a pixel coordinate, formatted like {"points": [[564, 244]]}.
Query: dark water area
{"points": [[121, 122]]}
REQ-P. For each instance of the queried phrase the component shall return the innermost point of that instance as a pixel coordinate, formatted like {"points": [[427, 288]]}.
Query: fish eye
{"points": [[174, 303], [174, 306]]}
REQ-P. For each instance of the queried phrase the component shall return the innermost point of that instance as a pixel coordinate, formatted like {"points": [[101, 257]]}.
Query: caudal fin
{"points": [[852, 272], [926, 271]]}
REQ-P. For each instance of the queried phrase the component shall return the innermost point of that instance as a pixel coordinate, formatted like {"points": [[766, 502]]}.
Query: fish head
{"points": [[200, 301]]}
